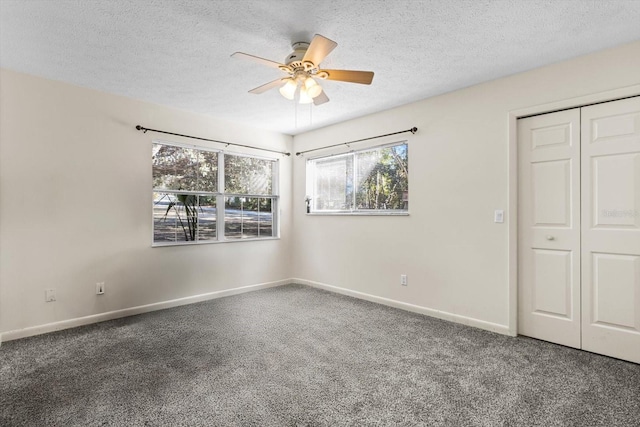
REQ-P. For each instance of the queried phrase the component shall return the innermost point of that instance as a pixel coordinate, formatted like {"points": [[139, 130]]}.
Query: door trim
{"points": [[512, 189]]}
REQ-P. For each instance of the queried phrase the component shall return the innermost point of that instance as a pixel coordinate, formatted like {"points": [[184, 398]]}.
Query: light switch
{"points": [[498, 216]]}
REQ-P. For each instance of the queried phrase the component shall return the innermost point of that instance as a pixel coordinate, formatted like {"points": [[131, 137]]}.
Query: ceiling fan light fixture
{"points": [[304, 96], [289, 89], [312, 87]]}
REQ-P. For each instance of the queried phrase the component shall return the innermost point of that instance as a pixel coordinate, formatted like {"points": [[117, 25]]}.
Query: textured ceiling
{"points": [[177, 52]]}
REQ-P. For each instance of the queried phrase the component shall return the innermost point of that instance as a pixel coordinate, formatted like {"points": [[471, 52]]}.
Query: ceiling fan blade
{"points": [[259, 60], [265, 87], [320, 99], [362, 77], [319, 48]]}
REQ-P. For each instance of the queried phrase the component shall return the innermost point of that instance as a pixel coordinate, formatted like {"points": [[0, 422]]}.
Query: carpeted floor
{"points": [[295, 355]]}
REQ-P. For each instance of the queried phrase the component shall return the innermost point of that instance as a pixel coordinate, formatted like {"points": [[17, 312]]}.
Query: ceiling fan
{"points": [[303, 68]]}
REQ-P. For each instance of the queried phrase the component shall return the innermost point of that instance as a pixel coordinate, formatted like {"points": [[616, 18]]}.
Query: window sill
{"points": [[404, 213], [211, 242]]}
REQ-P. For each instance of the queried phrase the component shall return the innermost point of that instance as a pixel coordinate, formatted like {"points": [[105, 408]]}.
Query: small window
{"points": [[205, 196], [374, 181]]}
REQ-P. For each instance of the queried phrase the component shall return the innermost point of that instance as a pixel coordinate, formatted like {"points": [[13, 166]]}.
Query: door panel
{"points": [[615, 296], [551, 187], [611, 229], [549, 227], [552, 283], [615, 127], [614, 184], [551, 137]]}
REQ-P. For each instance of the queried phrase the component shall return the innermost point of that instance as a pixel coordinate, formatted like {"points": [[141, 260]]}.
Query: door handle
{"points": [[551, 238]]}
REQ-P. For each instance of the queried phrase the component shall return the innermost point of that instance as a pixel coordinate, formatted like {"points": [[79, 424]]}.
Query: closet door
{"points": [[611, 229], [549, 227]]}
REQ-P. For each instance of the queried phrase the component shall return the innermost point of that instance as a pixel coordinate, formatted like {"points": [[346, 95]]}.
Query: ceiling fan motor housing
{"points": [[294, 59]]}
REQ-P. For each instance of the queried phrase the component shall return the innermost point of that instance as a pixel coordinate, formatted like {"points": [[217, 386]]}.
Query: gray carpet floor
{"points": [[295, 355]]}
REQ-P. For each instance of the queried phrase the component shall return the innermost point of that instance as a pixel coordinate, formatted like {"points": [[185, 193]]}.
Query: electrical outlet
{"points": [[100, 288], [49, 295], [403, 279]]}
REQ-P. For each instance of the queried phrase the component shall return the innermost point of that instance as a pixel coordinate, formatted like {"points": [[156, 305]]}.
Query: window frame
{"points": [[221, 196], [311, 183]]}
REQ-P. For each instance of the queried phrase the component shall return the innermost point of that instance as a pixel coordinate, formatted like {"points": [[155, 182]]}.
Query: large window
{"points": [[375, 180], [195, 190]]}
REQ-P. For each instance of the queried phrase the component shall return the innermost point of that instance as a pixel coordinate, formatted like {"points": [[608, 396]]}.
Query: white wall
{"points": [[75, 206], [455, 256]]}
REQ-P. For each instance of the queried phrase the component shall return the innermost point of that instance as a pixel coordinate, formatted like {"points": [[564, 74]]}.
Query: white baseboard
{"points": [[493, 327], [132, 311]]}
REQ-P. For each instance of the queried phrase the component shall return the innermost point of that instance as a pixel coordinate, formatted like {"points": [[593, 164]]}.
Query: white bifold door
{"points": [[579, 228]]}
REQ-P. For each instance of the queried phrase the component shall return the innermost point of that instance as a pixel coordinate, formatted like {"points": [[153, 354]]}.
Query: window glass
{"points": [[382, 179], [374, 180], [183, 217], [179, 168], [333, 189], [248, 217], [247, 175]]}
